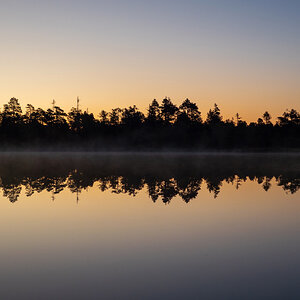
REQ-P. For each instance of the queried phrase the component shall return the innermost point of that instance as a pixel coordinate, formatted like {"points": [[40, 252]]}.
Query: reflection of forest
{"points": [[164, 176]]}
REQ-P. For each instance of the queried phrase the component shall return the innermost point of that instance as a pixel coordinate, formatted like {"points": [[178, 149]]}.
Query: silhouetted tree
{"points": [[115, 116], [59, 115], [74, 119], [260, 121], [267, 118], [103, 117], [214, 116], [154, 114], [29, 111], [132, 117], [13, 108], [189, 113], [291, 117], [168, 110]]}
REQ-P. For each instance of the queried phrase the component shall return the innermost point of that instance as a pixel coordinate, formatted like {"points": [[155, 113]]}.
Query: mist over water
{"points": [[149, 226]]}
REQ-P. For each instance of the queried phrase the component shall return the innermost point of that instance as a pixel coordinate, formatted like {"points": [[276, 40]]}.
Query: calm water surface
{"points": [[87, 226]]}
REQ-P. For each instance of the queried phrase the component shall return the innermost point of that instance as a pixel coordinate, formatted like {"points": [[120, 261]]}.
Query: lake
{"points": [[149, 226]]}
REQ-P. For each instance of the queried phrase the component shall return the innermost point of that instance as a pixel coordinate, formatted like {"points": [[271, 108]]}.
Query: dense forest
{"points": [[165, 126]]}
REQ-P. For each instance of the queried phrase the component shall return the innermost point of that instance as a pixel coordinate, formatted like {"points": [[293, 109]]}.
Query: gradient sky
{"points": [[243, 55]]}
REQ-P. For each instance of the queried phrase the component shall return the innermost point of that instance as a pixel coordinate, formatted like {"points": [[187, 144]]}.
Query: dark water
{"points": [[96, 226]]}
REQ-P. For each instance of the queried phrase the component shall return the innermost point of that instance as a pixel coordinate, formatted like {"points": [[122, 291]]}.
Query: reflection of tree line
{"points": [[164, 189], [163, 176]]}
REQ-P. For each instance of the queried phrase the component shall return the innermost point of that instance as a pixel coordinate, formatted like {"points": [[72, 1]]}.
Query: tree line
{"points": [[165, 126]]}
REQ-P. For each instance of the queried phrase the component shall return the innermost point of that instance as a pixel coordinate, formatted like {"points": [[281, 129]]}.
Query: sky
{"points": [[242, 55]]}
